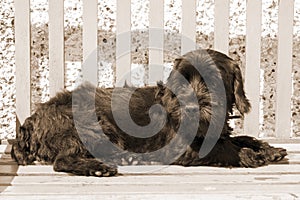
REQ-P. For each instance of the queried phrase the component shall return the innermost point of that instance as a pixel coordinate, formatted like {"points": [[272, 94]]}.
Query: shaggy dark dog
{"points": [[185, 122]]}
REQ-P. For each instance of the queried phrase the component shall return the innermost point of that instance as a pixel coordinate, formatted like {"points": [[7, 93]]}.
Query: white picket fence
{"points": [[156, 41]]}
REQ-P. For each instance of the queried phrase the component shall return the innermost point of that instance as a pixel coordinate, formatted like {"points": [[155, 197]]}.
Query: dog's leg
{"points": [[242, 151], [82, 166], [225, 153], [267, 152]]}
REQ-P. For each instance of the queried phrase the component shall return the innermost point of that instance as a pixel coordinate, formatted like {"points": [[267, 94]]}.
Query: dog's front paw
{"points": [[273, 154], [250, 158], [84, 166], [103, 170]]}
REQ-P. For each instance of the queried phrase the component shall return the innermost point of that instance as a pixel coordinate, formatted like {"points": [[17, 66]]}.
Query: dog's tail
{"points": [[241, 101]]}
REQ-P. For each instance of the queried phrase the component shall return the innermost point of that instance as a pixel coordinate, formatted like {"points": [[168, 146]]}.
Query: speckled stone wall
{"points": [[140, 21], [7, 70]]}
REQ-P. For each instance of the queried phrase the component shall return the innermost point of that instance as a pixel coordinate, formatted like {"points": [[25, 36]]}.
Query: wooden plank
{"points": [[252, 71], [6, 157], [228, 196], [293, 158], [221, 33], [123, 42], [188, 31], [156, 41], [163, 181], [5, 148], [270, 169], [284, 69], [295, 148], [7, 161], [8, 170], [147, 189], [149, 180], [22, 56], [89, 41], [274, 140], [56, 46], [2, 148], [47, 170]]}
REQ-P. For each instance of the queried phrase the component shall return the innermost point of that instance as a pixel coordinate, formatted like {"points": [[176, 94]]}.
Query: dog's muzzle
{"points": [[190, 111]]}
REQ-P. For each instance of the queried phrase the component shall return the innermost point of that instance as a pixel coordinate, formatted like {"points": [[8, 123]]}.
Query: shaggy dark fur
{"points": [[79, 132]]}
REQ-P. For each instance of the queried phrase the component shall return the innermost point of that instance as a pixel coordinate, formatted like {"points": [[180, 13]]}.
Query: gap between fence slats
{"points": [[284, 69], [252, 71], [188, 32], [56, 46], [221, 32], [22, 56], [156, 41], [123, 42], [89, 41]]}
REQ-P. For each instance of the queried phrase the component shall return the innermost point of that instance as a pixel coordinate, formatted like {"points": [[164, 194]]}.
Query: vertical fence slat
{"points": [[284, 69], [56, 46], [22, 53], [252, 71], [221, 32], [89, 41], [123, 42], [156, 41], [188, 37]]}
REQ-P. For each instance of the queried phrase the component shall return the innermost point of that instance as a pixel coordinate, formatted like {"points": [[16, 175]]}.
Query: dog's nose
{"points": [[191, 109]]}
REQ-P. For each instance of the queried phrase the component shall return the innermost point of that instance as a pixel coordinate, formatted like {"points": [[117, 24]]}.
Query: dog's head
{"points": [[213, 78], [233, 81]]}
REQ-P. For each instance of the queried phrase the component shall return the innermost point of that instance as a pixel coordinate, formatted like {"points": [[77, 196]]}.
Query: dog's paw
{"points": [[250, 158], [103, 170], [273, 154]]}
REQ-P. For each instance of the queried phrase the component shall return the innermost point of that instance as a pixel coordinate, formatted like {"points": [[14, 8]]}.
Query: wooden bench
{"points": [[157, 182], [278, 181]]}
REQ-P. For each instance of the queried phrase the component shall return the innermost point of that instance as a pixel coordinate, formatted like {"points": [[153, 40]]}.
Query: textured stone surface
{"points": [[7, 69], [140, 23]]}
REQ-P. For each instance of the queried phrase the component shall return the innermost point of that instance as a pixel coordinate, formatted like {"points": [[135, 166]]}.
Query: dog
{"points": [[90, 130]]}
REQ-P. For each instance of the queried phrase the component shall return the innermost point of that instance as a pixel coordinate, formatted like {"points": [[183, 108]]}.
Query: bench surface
{"points": [[277, 181]]}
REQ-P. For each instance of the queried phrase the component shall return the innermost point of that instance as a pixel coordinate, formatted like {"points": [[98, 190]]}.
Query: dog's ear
{"points": [[127, 85], [160, 84], [177, 63], [174, 73], [21, 146], [160, 91], [24, 137], [24, 133], [241, 101], [184, 67]]}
